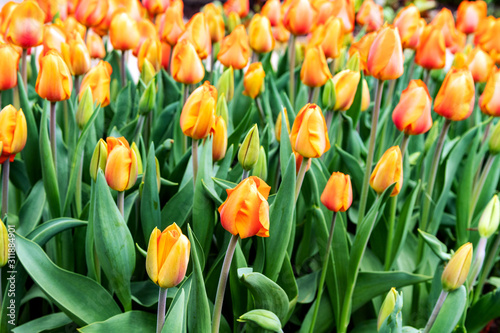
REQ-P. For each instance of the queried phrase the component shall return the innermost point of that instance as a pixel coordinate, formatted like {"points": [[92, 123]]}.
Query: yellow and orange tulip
{"points": [[13, 132], [480, 64], [315, 71], [219, 133], [76, 54], [407, 22], [309, 135], [370, 15], [431, 50], [215, 22], [277, 126], [151, 50], [26, 25], [186, 64], [121, 165], [329, 36], [95, 45], [489, 102], [198, 33], [385, 58], [455, 98], [272, 10], [298, 18], [198, 114], [337, 195], [412, 115], [260, 35], [155, 7], [99, 80], [123, 41], [240, 7], [253, 81], [172, 23], [469, 14], [235, 49], [346, 83], [389, 170], [54, 82], [90, 13], [9, 63]]}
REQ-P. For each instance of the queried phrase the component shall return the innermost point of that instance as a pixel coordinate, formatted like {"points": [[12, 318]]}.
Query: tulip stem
{"points": [[138, 129], [404, 145], [313, 95], [5, 187], [120, 202], [427, 77], [490, 261], [78, 188], [479, 186], [162, 302], [195, 160], [222, 283], [435, 312], [245, 174], [379, 88], [122, 69], [77, 84], [53, 144], [332, 66], [323, 273], [291, 49], [477, 264], [24, 69], [390, 234], [261, 110], [300, 176]]}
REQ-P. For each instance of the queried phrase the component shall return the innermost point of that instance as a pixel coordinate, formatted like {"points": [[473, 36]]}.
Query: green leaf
{"points": [[308, 287], [150, 201], [355, 109], [264, 318], [285, 144], [44, 232], [355, 170], [32, 209], [436, 245], [483, 311], [123, 106], [113, 242], [131, 321], [224, 184], [286, 280], [451, 312], [45, 323], [81, 298], [178, 207], [242, 128], [176, 318], [212, 194]]}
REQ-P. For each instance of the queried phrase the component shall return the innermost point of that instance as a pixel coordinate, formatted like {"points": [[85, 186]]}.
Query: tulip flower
{"points": [[253, 81], [121, 165], [215, 22], [323, 10], [99, 80], [455, 98], [494, 142], [389, 170], [198, 33], [412, 115], [456, 271], [186, 65], [272, 10], [6, 15], [387, 307], [235, 49], [431, 50], [123, 41], [95, 45], [13, 132], [9, 64], [337, 195], [315, 71], [260, 36], [53, 7], [483, 32], [346, 83], [299, 17], [453, 38], [480, 64], [407, 22], [26, 25], [151, 50], [54, 81], [489, 102], [362, 47], [385, 58], [53, 38], [344, 9], [99, 158], [147, 30], [76, 55], [281, 34], [240, 7], [173, 23], [370, 15], [469, 14], [414, 40], [309, 136], [91, 12], [277, 127], [329, 36], [219, 133], [365, 97], [155, 7], [4, 244], [198, 113], [248, 154], [490, 218]]}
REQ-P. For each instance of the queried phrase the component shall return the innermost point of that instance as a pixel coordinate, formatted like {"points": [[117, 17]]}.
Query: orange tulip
{"points": [[371, 15], [344, 9], [53, 38], [235, 50], [299, 17], [165, 55], [198, 114], [99, 80], [155, 7], [329, 36], [489, 102], [76, 55], [281, 34], [389, 170], [277, 127], [431, 50], [253, 81], [246, 211], [131, 7], [95, 45], [13, 132], [72, 25], [215, 22], [323, 10], [167, 257], [123, 41], [198, 34], [121, 165], [346, 83], [480, 65], [315, 71], [54, 82], [72, 6], [53, 7], [186, 64], [91, 12], [261, 38], [490, 40], [146, 30], [26, 25], [173, 24], [469, 14], [412, 115], [5, 16], [151, 50], [240, 7], [309, 135], [219, 133], [363, 48], [414, 40], [407, 22], [272, 10], [455, 98], [385, 58], [453, 39], [9, 63], [482, 34], [337, 195]]}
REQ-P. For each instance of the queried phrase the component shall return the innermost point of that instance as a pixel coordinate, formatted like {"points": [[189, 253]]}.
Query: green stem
{"points": [[24, 69], [262, 116], [323, 273], [477, 264], [427, 77], [390, 234], [332, 66], [53, 143], [195, 160], [138, 129], [435, 312], [120, 202], [411, 69], [479, 186], [291, 49], [379, 87], [122, 69], [222, 283], [314, 94], [490, 261], [77, 84], [245, 174], [5, 187], [78, 188], [404, 145], [162, 303], [300, 176]]}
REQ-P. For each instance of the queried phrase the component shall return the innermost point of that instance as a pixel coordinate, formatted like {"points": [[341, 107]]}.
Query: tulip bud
{"points": [[219, 133], [150, 50], [76, 55], [309, 135], [198, 113], [167, 256], [85, 108], [122, 164], [272, 10], [26, 25], [277, 128], [281, 34], [148, 72], [221, 109], [480, 64], [155, 7], [387, 307], [233, 20], [490, 219], [99, 158], [98, 79], [253, 80], [225, 85], [346, 84], [249, 150], [261, 38], [4, 244], [95, 45], [120, 23], [90, 13], [247, 201], [489, 102], [329, 97], [494, 142], [329, 36], [407, 22], [260, 169], [469, 15], [215, 22], [186, 64], [13, 132], [234, 49], [315, 71], [455, 98], [413, 42], [298, 18], [385, 58], [198, 33], [54, 82], [140, 169], [147, 103], [389, 170], [337, 195], [412, 115], [431, 50], [354, 62], [9, 63], [456, 271]]}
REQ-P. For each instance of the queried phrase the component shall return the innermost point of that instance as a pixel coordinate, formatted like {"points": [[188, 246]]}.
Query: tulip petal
{"points": [[152, 255], [174, 268]]}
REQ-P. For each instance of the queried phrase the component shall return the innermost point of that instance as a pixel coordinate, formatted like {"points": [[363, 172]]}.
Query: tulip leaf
{"points": [[355, 110], [263, 318], [224, 184], [150, 201], [176, 317], [44, 232], [224, 166], [285, 144], [32, 209], [171, 89], [355, 170], [49, 322], [81, 298], [436, 245], [289, 109], [113, 242], [212, 194], [122, 108], [483, 311], [451, 312], [243, 127], [178, 207], [286, 280], [131, 321]]}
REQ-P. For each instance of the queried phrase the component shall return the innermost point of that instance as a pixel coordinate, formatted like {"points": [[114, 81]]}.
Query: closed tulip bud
{"points": [[221, 109], [315, 71], [329, 97], [99, 158], [123, 41], [54, 82], [260, 36], [246, 210], [431, 50], [9, 63], [253, 80], [198, 114], [249, 150], [225, 85], [260, 169], [277, 127], [337, 195], [186, 64], [456, 271], [480, 65], [240, 7], [490, 219], [407, 22], [219, 133], [387, 307], [13, 132], [346, 83], [140, 169], [98, 79], [198, 33], [365, 97], [76, 55], [4, 244], [155, 7], [414, 40], [147, 103], [215, 22], [167, 256], [299, 17], [233, 20], [370, 15], [85, 108], [26, 25], [272, 10], [173, 23], [95, 45], [309, 135], [389, 170], [344, 9], [121, 166], [385, 58], [469, 14], [150, 50], [412, 115], [235, 50], [91, 12], [489, 102], [362, 47], [494, 142], [148, 72], [455, 99]]}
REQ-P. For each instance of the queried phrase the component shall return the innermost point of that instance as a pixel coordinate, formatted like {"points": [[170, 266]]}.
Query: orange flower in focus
{"points": [[363, 48], [121, 165], [240, 7], [13, 132], [76, 54], [260, 35], [234, 49], [155, 7], [346, 83], [329, 36], [371, 15], [219, 133], [198, 34], [412, 115], [99, 80], [407, 22], [298, 18], [309, 136], [146, 30], [389, 170], [9, 64], [91, 12], [95, 45], [431, 51], [198, 114], [272, 10], [414, 40], [344, 9], [385, 58], [455, 99], [54, 82], [337, 195], [480, 64], [26, 25], [151, 50], [253, 80], [215, 22], [173, 23], [120, 23], [53, 7], [315, 71], [186, 64], [489, 102], [298, 163], [469, 14], [277, 127], [246, 211]]}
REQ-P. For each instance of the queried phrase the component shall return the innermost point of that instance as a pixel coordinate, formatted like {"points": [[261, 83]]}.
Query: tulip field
{"points": [[298, 166]]}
